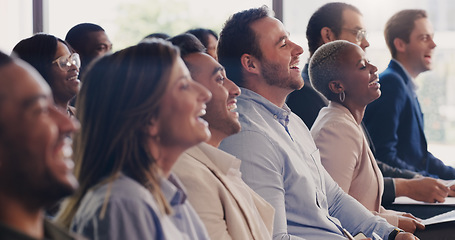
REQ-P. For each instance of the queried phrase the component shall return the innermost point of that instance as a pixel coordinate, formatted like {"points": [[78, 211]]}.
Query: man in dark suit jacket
{"points": [[395, 120], [335, 21]]}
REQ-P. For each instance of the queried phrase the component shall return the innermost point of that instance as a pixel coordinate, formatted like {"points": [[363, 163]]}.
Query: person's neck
{"points": [[356, 110], [28, 220], [167, 159], [407, 65], [215, 138], [275, 95], [61, 104]]}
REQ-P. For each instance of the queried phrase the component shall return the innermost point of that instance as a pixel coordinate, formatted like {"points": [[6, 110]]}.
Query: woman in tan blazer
{"points": [[340, 71]]}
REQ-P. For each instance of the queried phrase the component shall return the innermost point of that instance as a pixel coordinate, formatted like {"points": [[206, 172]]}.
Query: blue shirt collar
{"points": [[173, 190], [279, 114]]}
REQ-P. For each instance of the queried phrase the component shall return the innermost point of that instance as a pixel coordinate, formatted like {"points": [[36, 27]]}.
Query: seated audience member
{"points": [[208, 38], [226, 205], [90, 41], [395, 120], [340, 72], [332, 21], [56, 63], [35, 154], [279, 158], [342, 21], [158, 35], [132, 133]]}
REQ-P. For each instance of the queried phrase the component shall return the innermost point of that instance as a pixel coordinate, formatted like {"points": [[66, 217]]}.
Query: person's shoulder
{"points": [[334, 118], [126, 187], [104, 211], [335, 123], [392, 77], [53, 231], [254, 122], [250, 113], [123, 191], [191, 165], [199, 177]]}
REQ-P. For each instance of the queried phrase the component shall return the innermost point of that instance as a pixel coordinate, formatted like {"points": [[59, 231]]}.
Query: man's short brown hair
{"points": [[400, 26]]}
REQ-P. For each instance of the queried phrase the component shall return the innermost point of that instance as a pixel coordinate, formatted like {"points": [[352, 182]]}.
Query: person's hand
{"points": [[405, 236], [409, 215], [409, 223], [424, 189], [452, 191]]}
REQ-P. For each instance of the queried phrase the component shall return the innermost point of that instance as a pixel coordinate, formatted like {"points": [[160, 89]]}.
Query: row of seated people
{"points": [[146, 124]]}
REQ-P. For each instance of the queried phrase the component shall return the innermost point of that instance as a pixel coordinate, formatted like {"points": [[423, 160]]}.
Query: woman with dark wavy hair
{"points": [[139, 111]]}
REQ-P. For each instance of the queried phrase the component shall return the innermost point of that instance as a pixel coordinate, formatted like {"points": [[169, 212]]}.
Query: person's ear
{"points": [[153, 127], [399, 44], [336, 86], [249, 63], [327, 35]]}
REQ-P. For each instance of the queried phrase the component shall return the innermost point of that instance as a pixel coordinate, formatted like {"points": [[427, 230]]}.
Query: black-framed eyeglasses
{"points": [[64, 63], [360, 34]]}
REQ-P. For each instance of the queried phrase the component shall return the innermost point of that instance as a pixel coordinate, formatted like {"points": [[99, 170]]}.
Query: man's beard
{"points": [[271, 73]]}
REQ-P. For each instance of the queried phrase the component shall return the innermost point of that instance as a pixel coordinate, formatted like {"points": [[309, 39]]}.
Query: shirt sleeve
{"points": [[437, 167], [263, 171], [393, 172], [388, 196], [340, 148], [352, 214], [124, 219]]}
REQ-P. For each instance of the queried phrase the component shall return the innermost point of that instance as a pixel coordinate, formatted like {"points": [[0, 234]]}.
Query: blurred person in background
{"points": [[208, 38], [90, 41], [57, 64], [395, 121]]}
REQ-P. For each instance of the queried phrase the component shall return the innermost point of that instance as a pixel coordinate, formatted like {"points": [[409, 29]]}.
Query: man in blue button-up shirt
{"points": [[279, 158]]}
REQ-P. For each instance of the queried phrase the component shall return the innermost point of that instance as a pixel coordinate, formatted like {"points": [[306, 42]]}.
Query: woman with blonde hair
{"points": [[139, 110]]}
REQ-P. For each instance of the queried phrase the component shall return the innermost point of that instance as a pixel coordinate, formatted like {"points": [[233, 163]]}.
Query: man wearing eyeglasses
{"points": [[341, 21]]}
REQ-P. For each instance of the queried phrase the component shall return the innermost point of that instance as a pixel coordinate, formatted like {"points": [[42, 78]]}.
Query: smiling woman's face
{"points": [[64, 82], [360, 78], [183, 105]]}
